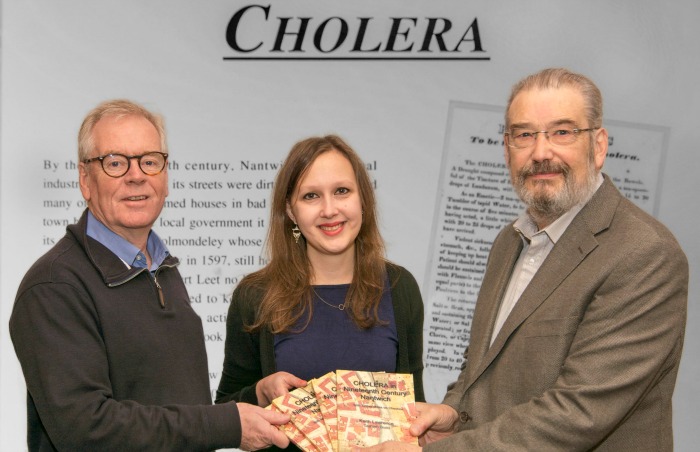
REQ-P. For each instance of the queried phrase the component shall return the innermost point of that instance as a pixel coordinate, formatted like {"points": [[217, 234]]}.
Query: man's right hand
{"points": [[259, 429]]}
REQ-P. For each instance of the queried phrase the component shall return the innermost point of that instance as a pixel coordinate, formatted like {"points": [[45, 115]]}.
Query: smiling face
{"points": [[128, 205], [327, 208], [552, 179]]}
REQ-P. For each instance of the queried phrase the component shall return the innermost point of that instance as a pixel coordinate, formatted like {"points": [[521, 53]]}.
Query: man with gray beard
{"points": [[578, 328]]}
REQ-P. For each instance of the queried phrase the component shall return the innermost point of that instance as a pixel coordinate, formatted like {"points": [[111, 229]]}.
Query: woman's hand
{"points": [[275, 385]]}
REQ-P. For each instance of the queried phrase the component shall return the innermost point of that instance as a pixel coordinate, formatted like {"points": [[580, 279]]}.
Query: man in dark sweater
{"points": [[112, 352]]}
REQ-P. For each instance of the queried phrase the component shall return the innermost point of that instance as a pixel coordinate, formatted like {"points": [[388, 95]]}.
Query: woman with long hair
{"points": [[327, 299]]}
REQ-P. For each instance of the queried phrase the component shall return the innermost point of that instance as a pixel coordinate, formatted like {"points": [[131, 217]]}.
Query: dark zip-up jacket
{"points": [[113, 357]]}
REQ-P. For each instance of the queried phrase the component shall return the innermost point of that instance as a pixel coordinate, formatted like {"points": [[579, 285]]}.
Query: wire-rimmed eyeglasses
{"points": [[525, 138]]}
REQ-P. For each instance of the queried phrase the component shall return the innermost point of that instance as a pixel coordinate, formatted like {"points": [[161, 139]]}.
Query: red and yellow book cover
{"points": [[294, 434], [306, 416], [324, 387], [374, 407]]}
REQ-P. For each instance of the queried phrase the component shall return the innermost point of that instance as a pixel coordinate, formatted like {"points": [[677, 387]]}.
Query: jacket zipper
{"points": [[161, 297], [160, 292]]}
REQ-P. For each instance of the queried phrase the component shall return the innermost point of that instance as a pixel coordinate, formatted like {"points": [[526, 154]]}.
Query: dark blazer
{"points": [[588, 357]]}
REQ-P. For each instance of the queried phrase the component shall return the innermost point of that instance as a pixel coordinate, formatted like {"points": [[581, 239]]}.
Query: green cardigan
{"points": [[250, 356]]}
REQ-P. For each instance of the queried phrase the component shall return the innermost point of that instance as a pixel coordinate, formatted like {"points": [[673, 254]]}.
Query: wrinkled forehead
{"points": [[542, 108]]}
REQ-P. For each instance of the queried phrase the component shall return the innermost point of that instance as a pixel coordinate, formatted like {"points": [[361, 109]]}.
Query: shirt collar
{"points": [[527, 228], [126, 251]]}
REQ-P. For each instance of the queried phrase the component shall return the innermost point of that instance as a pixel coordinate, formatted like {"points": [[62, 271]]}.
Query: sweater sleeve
{"points": [[408, 311], [242, 363], [57, 338]]}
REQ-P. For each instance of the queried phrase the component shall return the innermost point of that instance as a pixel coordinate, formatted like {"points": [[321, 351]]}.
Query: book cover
{"points": [[374, 407], [324, 387], [294, 434], [306, 416]]}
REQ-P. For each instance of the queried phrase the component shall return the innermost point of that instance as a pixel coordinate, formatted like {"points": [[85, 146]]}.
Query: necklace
{"points": [[340, 306]]}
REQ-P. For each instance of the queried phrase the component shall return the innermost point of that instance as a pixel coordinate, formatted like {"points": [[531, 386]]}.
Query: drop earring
{"points": [[296, 233]]}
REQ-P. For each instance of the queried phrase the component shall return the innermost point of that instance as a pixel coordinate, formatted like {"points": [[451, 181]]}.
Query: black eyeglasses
{"points": [[117, 165]]}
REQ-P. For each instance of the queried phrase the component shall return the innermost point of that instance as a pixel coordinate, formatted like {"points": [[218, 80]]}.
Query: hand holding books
{"points": [[275, 385], [345, 409]]}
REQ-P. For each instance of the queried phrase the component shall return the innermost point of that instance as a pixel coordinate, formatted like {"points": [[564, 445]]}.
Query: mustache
{"points": [[544, 167]]}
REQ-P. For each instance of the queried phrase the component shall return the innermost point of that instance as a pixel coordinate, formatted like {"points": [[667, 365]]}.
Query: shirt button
{"points": [[464, 416]]}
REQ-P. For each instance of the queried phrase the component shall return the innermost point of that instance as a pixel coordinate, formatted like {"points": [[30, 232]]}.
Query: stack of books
{"points": [[349, 408]]}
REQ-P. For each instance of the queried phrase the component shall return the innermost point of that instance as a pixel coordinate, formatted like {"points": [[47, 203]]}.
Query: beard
{"points": [[545, 203]]}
